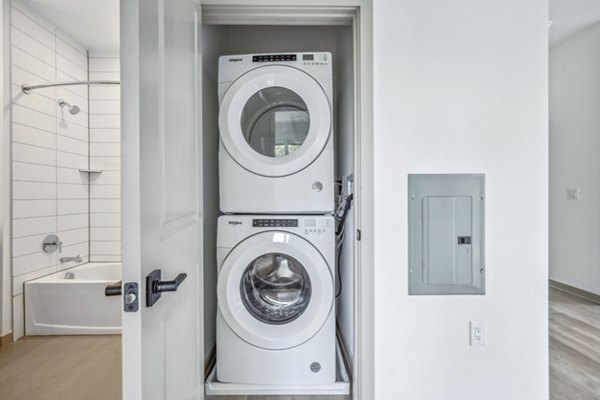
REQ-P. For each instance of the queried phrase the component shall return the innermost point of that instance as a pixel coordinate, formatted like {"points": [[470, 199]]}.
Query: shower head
{"points": [[73, 109]]}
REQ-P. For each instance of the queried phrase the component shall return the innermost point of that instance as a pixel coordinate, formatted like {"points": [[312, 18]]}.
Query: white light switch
{"points": [[573, 193]]}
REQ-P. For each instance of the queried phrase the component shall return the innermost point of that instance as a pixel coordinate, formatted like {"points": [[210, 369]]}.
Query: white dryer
{"points": [[276, 317], [276, 128]]}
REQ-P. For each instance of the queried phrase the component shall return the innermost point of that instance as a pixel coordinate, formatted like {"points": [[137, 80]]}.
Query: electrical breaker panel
{"points": [[446, 234]]}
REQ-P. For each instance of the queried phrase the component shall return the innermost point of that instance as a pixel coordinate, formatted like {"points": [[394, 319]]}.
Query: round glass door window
{"points": [[275, 288], [275, 121]]}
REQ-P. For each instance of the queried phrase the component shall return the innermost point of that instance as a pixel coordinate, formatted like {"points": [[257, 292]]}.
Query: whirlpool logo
{"points": [[234, 223], [238, 59]]}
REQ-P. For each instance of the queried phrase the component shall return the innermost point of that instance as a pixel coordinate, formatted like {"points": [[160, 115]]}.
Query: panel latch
{"points": [[464, 240]]}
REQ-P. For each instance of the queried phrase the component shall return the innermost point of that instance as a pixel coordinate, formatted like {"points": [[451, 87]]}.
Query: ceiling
{"points": [[94, 23], [570, 16]]}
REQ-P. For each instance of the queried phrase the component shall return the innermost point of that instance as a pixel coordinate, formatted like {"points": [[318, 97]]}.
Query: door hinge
{"points": [[358, 235], [130, 297]]}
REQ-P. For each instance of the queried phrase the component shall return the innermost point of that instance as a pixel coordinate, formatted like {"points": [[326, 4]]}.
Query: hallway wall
{"points": [[461, 87], [574, 162]]}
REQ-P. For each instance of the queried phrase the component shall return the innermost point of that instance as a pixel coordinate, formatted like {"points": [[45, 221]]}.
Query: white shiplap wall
{"points": [[49, 145], [105, 152]]}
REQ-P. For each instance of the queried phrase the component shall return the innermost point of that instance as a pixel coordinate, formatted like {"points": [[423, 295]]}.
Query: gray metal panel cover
{"points": [[446, 234]]}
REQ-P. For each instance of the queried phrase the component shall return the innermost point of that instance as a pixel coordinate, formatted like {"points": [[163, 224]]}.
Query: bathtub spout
{"points": [[77, 259]]}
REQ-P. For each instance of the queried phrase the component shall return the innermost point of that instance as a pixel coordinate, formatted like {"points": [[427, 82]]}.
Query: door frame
{"points": [[359, 14], [6, 291]]}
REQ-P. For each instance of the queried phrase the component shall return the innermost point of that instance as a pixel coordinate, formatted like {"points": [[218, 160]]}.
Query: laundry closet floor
{"points": [[313, 397]]}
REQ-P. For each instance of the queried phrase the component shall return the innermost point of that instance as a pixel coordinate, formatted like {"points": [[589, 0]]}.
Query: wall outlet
{"points": [[478, 334], [573, 193]]}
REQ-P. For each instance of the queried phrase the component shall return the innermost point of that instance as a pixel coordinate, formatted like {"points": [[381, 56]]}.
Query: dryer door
{"points": [[275, 290], [275, 120]]}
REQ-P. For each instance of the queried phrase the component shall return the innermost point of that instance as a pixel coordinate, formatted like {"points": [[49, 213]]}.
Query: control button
{"points": [[317, 186], [274, 223]]}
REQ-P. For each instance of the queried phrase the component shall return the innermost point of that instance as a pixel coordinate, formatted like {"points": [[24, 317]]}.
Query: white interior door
{"points": [[162, 221]]}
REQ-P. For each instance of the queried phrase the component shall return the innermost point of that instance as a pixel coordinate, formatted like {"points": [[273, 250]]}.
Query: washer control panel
{"points": [[315, 226]]}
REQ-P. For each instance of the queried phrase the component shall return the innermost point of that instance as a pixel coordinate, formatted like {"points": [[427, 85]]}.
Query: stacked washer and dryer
{"points": [[276, 239]]}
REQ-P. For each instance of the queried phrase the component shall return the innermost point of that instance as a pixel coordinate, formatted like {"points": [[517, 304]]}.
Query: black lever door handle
{"points": [[169, 286], [154, 286], [113, 289]]}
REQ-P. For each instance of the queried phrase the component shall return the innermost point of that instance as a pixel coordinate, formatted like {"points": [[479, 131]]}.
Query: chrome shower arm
{"points": [[28, 88]]}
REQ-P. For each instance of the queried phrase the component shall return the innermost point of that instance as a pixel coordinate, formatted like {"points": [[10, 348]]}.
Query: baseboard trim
{"points": [[584, 294], [6, 339]]}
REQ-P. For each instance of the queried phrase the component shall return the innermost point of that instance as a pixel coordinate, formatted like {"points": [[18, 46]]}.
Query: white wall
{"points": [[574, 160], [105, 154], [49, 145], [461, 87]]}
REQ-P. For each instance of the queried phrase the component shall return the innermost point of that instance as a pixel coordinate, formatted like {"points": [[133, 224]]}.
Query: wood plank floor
{"points": [[61, 367], [89, 367], [574, 347], [76, 368]]}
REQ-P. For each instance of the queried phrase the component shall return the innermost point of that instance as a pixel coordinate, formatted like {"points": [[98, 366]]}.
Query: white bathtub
{"points": [[55, 305]]}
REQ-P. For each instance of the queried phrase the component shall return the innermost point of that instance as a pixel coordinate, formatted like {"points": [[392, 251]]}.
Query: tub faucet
{"points": [[77, 259]]}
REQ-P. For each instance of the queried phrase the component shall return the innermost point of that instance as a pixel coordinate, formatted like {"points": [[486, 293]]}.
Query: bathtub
{"points": [[72, 302]]}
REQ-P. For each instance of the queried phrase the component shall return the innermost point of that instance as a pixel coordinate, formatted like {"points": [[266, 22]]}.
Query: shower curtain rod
{"points": [[27, 88]]}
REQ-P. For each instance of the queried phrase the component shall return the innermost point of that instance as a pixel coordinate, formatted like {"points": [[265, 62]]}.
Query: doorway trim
{"points": [[358, 14], [7, 325]]}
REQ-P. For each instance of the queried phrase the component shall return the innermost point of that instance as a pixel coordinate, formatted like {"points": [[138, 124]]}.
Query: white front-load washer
{"points": [[276, 152], [276, 316]]}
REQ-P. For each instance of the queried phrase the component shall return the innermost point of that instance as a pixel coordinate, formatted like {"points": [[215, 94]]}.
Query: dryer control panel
{"points": [[317, 64], [274, 223], [274, 57]]}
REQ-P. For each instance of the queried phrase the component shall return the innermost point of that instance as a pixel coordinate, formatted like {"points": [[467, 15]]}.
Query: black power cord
{"points": [[344, 214], [338, 232], [339, 273]]}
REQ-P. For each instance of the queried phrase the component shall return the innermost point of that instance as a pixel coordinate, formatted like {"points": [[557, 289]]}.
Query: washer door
{"points": [[275, 120], [275, 290]]}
